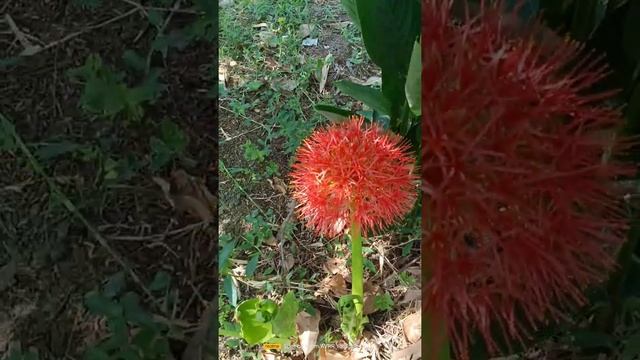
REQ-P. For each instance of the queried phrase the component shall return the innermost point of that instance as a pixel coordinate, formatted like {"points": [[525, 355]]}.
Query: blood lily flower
{"points": [[518, 164], [357, 177], [351, 172]]}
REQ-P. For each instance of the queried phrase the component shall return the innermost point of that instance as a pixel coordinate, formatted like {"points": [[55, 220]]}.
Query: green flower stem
{"points": [[357, 267], [435, 344]]}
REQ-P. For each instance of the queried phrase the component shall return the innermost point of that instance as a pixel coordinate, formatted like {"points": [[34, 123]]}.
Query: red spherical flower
{"points": [[350, 172], [518, 162]]}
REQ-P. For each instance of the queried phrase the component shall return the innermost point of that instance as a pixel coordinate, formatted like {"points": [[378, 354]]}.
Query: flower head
{"points": [[519, 158], [353, 172]]}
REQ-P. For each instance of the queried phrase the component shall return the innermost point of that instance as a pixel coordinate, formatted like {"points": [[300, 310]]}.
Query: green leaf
{"points": [[133, 312], [252, 265], [371, 97], [413, 86], [53, 150], [224, 254], [150, 89], [332, 113], [94, 353], [161, 154], [230, 290], [389, 30], [587, 16], [383, 302], [586, 339], [114, 285], [173, 136], [7, 136], [155, 18], [160, 281], [254, 316], [133, 60], [284, 323], [352, 10], [632, 348], [9, 62], [632, 31], [98, 304]]}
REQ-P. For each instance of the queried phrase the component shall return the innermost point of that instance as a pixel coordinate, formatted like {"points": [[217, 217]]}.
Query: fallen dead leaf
{"points": [[305, 30], [307, 326], [324, 73], [335, 266], [411, 352], [370, 292], [278, 184], [412, 294], [412, 327], [289, 261], [188, 194], [334, 284], [330, 354]]}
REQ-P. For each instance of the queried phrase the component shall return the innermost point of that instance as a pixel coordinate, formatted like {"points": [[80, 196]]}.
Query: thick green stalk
{"points": [[357, 267], [435, 344]]}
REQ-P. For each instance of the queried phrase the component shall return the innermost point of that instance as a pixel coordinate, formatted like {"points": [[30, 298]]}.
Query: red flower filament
{"points": [[351, 172], [518, 166]]}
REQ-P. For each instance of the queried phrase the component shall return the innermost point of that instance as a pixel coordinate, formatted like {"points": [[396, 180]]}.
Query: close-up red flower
{"points": [[519, 163], [351, 172]]}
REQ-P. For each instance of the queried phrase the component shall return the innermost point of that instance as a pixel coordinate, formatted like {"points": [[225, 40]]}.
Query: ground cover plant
{"points": [[107, 184], [287, 69]]}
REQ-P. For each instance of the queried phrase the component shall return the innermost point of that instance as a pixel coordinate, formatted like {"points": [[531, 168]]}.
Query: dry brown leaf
{"points": [[412, 327], [412, 294], [330, 354], [334, 284], [335, 266], [370, 292], [307, 326], [188, 194], [324, 73], [411, 352], [289, 261], [278, 185], [305, 30]]}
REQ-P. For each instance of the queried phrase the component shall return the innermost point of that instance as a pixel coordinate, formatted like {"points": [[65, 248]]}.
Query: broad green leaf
{"points": [[224, 254], [389, 30], [254, 316], [631, 35], [591, 339], [371, 97], [351, 8], [632, 348], [250, 269], [99, 304], [160, 281], [133, 312], [173, 136], [7, 136], [9, 62], [587, 16], [412, 87], [53, 150], [114, 285], [133, 60], [383, 302], [161, 154], [284, 323], [155, 18], [230, 290], [332, 113], [94, 353]]}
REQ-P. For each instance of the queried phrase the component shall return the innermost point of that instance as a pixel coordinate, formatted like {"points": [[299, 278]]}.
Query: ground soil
{"points": [[58, 258]]}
